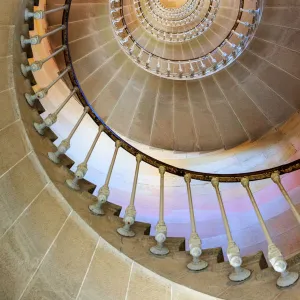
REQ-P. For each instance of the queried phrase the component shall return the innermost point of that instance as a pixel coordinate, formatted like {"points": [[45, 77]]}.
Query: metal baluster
{"points": [[233, 251], [213, 61], [83, 167], [276, 179], [38, 38], [223, 54], [37, 65], [148, 61], [251, 11], [131, 49], [138, 58], [130, 212], [168, 68], [161, 228], [158, 66], [104, 191], [180, 70], [52, 118], [43, 92], [274, 255], [194, 241], [40, 14], [65, 144], [192, 70], [246, 24]]}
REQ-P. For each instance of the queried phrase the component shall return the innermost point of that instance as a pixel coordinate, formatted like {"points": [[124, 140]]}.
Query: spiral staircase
{"points": [[185, 117]]}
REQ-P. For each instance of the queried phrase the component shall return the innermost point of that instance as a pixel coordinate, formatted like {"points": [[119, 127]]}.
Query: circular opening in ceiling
{"points": [[172, 3]]}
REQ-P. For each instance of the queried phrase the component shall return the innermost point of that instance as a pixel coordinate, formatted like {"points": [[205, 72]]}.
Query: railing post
{"points": [[223, 54], [180, 70], [202, 66], [213, 61], [131, 49], [161, 228], [276, 179], [52, 118], [158, 66], [233, 251], [194, 241], [130, 212], [168, 69], [274, 255], [104, 191], [83, 167], [148, 61], [43, 92], [40, 14], [231, 45], [37, 65], [65, 144], [38, 38], [192, 70]]}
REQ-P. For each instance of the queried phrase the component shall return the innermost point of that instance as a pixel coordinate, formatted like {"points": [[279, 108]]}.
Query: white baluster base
{"points": [[159, 249], [73, 184], [197, 264], [40, 128], [103, 195], [29, 99], [160, 237], [239, 274], [287, 279], [96, 209], [53, 157], [24, 70], [128, 220], [125, 231]]}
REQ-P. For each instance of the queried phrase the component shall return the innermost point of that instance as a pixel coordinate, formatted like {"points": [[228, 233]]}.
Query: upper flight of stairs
{"points": [[197, 115]]}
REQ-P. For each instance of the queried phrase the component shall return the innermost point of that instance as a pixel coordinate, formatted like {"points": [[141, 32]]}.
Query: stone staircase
{"points": [[213, 280], [52, 247]]}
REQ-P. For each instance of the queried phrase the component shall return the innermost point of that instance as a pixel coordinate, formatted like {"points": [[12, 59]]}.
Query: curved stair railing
{"points": [[219, 58], [169, 10], [239, 273], [172, 14], [180, 21], [181, 36]]}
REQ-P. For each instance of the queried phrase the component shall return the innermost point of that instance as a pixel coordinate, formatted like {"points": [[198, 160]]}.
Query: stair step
{"points": [[258, 258], [172, 243], [255, 262], [106, 225], [50, 135], [294, 260], [39, 107], [212, 255], [66, 161], [83, 183]]}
